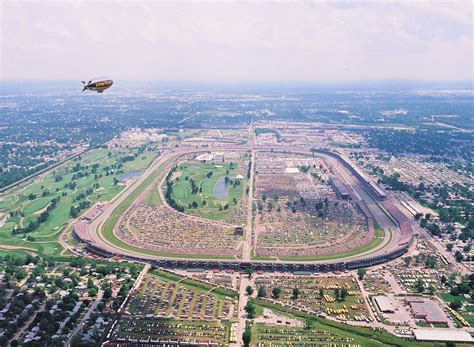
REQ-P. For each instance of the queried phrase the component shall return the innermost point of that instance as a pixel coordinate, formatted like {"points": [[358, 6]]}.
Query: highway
{"points": [[392, 233]]}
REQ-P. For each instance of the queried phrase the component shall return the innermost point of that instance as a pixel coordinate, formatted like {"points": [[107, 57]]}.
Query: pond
{"points": [[220, 188], [130, 174]]}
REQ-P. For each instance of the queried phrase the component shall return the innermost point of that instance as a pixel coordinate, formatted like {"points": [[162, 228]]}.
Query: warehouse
{"points": [[384, 304], [427, 310], [453, 335]]}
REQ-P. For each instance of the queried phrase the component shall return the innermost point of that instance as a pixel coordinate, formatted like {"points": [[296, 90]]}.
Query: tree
{"points": [[321, 292], [407, 261], [361, 273], [249, 271], [459, 257], [431, 289], [247, 336], [452, 278], [262, 292], [20, 273], [249, 290], [270, 206], [250, 309], [337, 292], [455, 305], [107, 293], [308, 324], [419, 285], [76, 340], [430, 262], [449, 247], [344, 293], [296, 293], [276, 292], [93, 291], [73, 212]]}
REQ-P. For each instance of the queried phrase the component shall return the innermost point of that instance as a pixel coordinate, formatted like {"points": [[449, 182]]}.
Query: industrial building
{"points": [[383, 304], [448, 335], [428, 310]]}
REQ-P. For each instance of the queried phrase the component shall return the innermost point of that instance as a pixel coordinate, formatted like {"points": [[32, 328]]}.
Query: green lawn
{"points": [[195, 284], [262, 333], [107, 234], [467, 314], [379, 235], [36, 205], [256, 257], [452, 298], [213, 208], [153, 197], [363, 336], [175, 329], [18, 200]]}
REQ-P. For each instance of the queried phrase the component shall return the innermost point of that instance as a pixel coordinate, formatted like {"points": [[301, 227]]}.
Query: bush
{"points": [[455, 305]]}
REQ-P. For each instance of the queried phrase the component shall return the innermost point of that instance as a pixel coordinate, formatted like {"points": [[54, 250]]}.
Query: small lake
{"points": [[220, 189], [130, 174]]}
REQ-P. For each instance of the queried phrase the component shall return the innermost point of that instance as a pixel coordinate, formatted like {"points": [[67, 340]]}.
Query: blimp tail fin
{"points": [[83, 82], [84, 88]]}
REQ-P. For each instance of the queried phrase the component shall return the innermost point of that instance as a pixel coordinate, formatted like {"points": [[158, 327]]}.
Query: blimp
{"points": [[98, 84]]}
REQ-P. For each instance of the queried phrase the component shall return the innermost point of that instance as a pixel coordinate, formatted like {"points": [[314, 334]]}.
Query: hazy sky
{"points": [[237, 41]]}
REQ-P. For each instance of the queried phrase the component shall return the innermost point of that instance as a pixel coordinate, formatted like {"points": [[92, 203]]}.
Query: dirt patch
{"points": [[176, 175], [3, 219], [41, 211], [10, 248]]}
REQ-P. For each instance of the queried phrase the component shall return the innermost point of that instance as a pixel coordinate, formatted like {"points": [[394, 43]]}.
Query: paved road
{"points": [[460, 267], [131, 292], [390, 241], [243, 299], [25, 326], [365, 297], [91, 309], [247, 249]]}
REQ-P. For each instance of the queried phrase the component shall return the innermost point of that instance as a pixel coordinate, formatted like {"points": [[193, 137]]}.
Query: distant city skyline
{"points": [[237, 42]]}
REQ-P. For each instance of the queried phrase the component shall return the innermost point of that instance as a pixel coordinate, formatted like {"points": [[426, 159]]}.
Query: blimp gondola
{"points": [[98, 84]]}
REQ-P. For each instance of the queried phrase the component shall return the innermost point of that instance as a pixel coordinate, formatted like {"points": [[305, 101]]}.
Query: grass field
{"points": [[129, 331], [208, 205], [91, 183], [196, 284], [452, 298], [352, 307], [192, 310], [379, 235], [360, 335], [107, 234], [289, 336], [468, 313], [153, 197], [158, 295]]}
